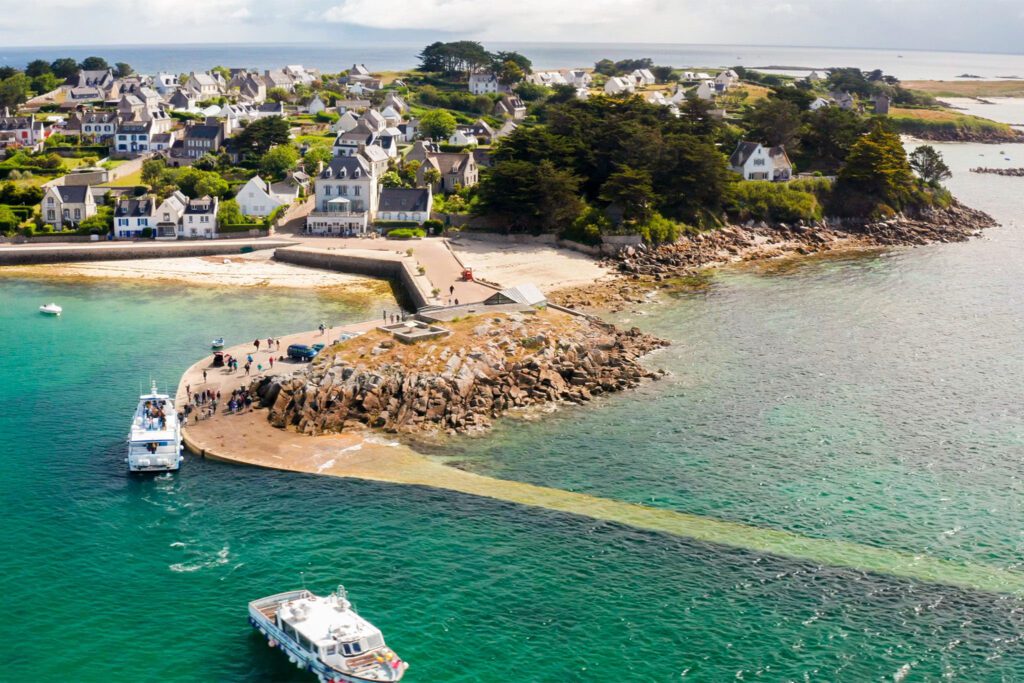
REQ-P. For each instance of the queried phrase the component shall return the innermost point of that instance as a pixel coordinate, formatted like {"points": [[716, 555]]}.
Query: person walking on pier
{"points": [[256, 343], [204, 376]]}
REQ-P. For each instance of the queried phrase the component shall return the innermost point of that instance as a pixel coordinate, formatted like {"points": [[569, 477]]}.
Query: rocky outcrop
{"points": [[478, 382], [643, 267], [1014, 172]]}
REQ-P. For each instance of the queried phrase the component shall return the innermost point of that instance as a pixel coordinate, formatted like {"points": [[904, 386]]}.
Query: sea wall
{"points": [[380, 264], [32, 255]]}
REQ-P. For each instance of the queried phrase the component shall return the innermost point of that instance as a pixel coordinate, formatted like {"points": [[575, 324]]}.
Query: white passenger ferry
{"points": [[154, 442], [326, 636]]}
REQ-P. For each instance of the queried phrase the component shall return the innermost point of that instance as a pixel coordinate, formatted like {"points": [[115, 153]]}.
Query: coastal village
{"points": [[335, 170], [512, 221], [236, 151]]}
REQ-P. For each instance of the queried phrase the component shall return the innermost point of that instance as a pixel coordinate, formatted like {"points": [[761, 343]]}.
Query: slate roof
{"points": [[201, 205], [347, 164], [74, 194], [202, 131], [131, 208], [404, 199], [743, 151]]}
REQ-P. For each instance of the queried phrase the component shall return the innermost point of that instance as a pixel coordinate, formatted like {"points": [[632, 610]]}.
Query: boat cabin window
{"points": [[289, 630], [305, 644], [331, 649], [350, 648]]}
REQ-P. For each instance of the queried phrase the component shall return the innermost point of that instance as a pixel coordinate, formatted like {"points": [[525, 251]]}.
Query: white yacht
{"points": [[326, 637], [50, 309], [154, 442]]}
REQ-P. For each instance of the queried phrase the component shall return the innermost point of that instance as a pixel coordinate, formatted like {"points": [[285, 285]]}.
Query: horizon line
{"points": [[402, 43]]}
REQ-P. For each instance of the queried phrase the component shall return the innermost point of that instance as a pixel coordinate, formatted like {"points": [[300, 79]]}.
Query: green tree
{"points": [[664, 74], [229, 213], [44, 83], [211, 184], [262, 134], [876, 172], [278, 161], [529, 197], [152, 171], [8, 221], [37, 67], [437, 124], [123, 69], [776, 122], [929, 164], [315, 156], [632, 190], [391, 179], [94, 64], [279, 95], [827, 137], [15, 90], [65, 67], [431, 176], [606, 67]]}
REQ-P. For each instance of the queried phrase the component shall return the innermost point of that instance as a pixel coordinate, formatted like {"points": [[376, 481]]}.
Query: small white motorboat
{"points": [[325, 636], [217, 343], [51, 309]]}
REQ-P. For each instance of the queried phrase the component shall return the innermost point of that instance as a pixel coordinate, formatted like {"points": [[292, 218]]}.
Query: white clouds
{"points": [[906, 24], [512, 19]]}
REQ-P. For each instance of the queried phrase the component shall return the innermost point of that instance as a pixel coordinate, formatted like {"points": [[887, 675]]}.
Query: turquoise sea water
{"points": [[873, 398]]}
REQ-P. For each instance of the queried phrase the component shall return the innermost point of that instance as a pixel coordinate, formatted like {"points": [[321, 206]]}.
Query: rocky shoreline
{"points": [[460, 384], [644, 269], [951, 134], [1013, 172]]}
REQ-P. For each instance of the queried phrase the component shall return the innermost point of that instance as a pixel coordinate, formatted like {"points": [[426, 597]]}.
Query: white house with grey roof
{"points": [[405, 204], [755, 161], [132, 216], [67, 205], [199, 220], [346, 193], [259, 197]]}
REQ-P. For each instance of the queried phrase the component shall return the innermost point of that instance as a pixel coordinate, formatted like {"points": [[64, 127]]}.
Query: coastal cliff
{"points": [[488, 365]]}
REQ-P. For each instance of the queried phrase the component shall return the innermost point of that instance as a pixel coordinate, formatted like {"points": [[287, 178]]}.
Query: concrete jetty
{"points": [[37, 254]]}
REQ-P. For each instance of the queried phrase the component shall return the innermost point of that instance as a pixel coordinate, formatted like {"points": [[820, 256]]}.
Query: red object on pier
{"points": [[467, 274]]}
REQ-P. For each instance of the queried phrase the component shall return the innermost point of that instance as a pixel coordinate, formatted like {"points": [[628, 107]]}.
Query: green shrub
{"points": [[774, 202], [406, 234], [147, 233], [661, 230], [326, 117], [433, 226]]}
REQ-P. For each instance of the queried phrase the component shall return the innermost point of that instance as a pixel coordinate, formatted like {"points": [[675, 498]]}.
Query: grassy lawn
{"points": [[326, 138], [947, 121], [129, 180], [968, 88]]}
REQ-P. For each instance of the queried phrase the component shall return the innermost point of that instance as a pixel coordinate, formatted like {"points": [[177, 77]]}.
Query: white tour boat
{"points": [[154, 442], [326, 636], [50, 309]]}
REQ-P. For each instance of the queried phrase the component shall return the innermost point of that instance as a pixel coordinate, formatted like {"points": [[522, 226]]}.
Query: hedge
{"points": [[406, 234], [82, 151], [20, 211]]}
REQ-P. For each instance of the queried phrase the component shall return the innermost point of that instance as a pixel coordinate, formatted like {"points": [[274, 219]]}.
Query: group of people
{"points": [[271, 344], [393, 318], [203, 404], [154, 415]]}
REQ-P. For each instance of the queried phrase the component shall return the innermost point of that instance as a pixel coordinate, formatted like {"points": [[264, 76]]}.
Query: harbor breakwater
{"points": [[388, 265], [39, 255]]}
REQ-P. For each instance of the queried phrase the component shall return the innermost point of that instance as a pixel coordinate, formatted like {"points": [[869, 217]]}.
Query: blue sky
{"points": [[966, 25]]}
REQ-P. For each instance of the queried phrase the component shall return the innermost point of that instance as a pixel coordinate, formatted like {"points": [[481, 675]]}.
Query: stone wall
{"points": [[385, 265]]}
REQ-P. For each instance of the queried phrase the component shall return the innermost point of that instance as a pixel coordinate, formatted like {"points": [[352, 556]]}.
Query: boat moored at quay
{"points": [[325, 636], [154, 441]]}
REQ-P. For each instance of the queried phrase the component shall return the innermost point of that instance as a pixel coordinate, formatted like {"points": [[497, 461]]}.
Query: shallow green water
{"points": [[872, 399]]}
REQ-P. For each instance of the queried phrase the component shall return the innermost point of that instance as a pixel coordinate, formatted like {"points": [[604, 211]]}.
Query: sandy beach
{"points": [[547, 267]]}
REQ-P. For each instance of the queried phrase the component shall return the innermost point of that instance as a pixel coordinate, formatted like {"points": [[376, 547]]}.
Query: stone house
{"points": [[754, 161], [67, 205]]}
